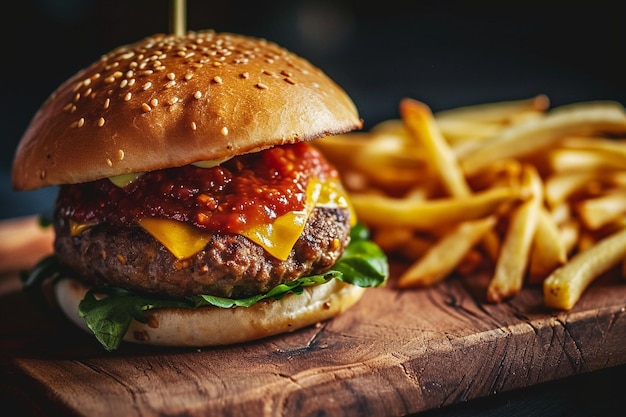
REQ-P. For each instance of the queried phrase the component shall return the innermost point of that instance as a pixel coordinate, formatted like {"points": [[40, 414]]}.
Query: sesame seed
{"points": [[124, 83], [109, 80], [197, 95], [128, 96], [224, 131], [217, 79], [147, 86], [120, 154], [193, 126], [101, 122], [68, 107], [245, 75], [81, 122], [217, 64], [154, 102], [173, 101], [107, 103], [146, 108], [109, 162], [266, 72], [290, 81], [262, 86], [42, 174], [130, 74], [76, 97], [171, 76], [188, 76], [117, 74]]}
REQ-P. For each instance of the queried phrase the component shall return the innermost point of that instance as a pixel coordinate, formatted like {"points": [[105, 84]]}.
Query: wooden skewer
{"points": [[178, 14]]}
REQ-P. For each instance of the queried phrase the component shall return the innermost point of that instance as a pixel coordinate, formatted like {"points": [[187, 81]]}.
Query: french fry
{"points": [[564, 287], [508, 184], [388, 161], [462, 130], [393, 126], [596, 144], [564, 160], [548, 250], [446, 254], [499, 112], [383, 211], [560, 188], [569, 233], [600, 211], [420, 123], [523, 139], [342, 149], [514, 256]]}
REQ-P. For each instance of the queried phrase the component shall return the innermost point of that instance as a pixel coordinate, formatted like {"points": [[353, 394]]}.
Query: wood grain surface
{"points": [[395, 353]]}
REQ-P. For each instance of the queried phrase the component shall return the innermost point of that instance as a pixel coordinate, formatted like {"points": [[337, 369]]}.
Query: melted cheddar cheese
{"points": [[277, 238]]}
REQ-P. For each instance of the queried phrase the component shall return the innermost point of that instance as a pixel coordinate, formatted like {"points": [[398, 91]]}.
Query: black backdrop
{"points": [[445, 53]]}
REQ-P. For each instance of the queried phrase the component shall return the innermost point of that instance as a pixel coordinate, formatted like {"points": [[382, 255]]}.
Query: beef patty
{"points": [[229, 266]]}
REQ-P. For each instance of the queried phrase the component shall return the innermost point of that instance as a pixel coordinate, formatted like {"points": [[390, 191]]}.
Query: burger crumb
{"points": [[121, 258], [326, 305]]}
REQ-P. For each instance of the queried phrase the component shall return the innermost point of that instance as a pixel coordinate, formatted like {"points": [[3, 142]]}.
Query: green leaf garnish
{"points": [[108, 311]]}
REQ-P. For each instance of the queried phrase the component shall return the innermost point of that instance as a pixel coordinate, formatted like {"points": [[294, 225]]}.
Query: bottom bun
{"points": [[213, 326]]}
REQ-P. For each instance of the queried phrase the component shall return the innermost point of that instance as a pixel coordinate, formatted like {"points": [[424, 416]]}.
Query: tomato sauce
{"points": [[242, 192]]}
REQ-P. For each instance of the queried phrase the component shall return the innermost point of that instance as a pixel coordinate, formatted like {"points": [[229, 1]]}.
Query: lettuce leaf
{"points": [[363, 264]]}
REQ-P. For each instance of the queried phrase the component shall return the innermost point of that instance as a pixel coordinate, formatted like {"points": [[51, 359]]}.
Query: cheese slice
{"points": [[277, 237], [182, 239]]}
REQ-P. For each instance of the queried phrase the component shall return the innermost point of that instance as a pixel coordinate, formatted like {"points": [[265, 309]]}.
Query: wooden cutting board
{"points": [[395, 353]]}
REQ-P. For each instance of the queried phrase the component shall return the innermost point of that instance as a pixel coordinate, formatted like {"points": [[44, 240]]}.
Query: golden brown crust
{"points": [[212, 326], [168, 101]]}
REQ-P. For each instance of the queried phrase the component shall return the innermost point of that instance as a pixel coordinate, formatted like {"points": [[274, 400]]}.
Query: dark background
{"points": [[445, 53]]}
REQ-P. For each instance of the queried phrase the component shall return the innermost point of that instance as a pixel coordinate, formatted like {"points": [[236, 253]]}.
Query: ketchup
{"points": [[242, 192]]}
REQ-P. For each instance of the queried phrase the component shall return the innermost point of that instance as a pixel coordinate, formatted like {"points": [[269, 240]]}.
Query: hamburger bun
{"points": [[214, 326], [169, 101], [225, 200]]}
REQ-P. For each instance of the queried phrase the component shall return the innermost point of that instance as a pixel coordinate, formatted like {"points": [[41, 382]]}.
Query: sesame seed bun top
{"points": [[168, 101]]}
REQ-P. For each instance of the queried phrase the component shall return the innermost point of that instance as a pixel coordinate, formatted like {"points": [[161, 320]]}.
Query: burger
{"points": [[193, 208]]}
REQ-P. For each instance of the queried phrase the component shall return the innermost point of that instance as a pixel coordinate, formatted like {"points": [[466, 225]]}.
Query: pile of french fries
{"points": [[532, 194]]}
